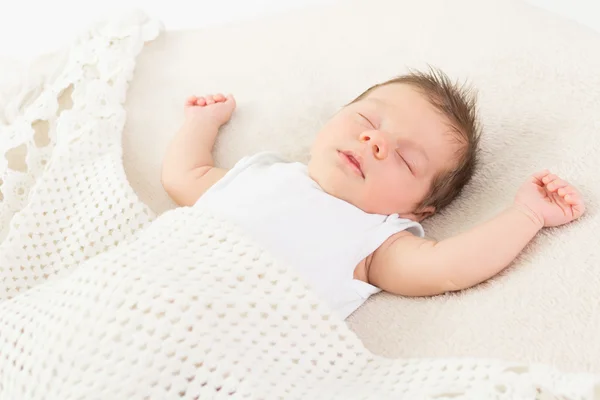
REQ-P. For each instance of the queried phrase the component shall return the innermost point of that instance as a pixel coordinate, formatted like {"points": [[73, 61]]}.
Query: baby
{"points": [[349, 221]]}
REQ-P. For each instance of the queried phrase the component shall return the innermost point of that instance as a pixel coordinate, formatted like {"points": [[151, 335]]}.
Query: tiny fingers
{"points": [[541, 174], [554, 183], [207, 100], [572, 197], [549, 178], [557, 184], [575, 201], [538, 177], [561, 190]]}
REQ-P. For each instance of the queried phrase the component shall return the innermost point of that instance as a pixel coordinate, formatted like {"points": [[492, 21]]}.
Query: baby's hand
{"points": [[217, 108], [550, 199]]}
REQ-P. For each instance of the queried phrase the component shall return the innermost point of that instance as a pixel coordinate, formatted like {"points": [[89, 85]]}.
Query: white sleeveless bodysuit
{"points": [[287, 212]]}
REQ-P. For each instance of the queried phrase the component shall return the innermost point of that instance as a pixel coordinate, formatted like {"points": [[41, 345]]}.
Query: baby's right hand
{"points": [[217, 108]]}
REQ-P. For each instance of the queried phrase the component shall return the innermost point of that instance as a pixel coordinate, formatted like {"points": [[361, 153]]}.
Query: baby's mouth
{"points": [[354, 163]]}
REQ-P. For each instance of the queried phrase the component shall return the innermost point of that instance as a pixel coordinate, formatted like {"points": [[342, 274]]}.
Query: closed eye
{"points": [[410, 167], [367, 119]]}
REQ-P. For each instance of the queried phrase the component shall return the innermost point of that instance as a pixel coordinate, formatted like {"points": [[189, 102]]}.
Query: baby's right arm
{"points": [[188, 168]]}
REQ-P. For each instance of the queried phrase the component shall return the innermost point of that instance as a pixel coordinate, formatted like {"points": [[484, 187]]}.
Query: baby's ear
{"points": [[420, 214]]}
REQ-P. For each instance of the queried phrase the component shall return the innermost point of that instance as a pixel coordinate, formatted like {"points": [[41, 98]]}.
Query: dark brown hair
{"points": [[458, 104]]}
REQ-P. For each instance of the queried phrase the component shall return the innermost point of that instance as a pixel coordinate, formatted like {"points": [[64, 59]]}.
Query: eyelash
{"points": [[406, 162], [367, 119]]}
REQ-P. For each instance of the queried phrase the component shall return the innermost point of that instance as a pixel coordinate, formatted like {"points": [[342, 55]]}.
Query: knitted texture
{"points": [[101, 300], [68, 198]]}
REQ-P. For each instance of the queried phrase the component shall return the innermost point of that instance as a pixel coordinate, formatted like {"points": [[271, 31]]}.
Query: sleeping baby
{"points": [[349, 220]]}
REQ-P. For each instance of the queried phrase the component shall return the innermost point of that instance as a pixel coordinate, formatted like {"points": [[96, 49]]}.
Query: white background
{"points": [[32, 27]]}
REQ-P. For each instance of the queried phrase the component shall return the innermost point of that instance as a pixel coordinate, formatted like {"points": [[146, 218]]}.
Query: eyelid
{"points": [[406, 162], [367, 119]]}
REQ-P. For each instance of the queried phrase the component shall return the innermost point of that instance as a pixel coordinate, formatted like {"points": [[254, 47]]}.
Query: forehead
{"points": [[398, 96], [407, 106]]}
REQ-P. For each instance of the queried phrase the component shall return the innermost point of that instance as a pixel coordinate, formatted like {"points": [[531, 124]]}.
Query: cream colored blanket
{"points": [[102, 300]]}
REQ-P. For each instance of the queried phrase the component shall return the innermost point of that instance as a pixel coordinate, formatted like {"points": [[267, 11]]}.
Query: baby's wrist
{"points": [[202, 121], [533, 216]]}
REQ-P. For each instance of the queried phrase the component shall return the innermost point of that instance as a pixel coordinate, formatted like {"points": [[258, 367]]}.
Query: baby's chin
{"points": [[357, 198], [375, 205], [337, 183]]}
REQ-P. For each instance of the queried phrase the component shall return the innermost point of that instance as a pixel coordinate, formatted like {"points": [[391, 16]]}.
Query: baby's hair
{"points": [[458, 103]]}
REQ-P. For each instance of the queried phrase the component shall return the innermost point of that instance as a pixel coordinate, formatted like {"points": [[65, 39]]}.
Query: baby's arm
{"points": [[188, 168], [412, 266]]}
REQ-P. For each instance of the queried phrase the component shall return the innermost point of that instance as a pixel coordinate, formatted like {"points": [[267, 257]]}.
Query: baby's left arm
{"points": [[412, 266]]}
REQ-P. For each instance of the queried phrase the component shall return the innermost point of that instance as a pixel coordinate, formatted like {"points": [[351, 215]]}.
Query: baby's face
{"points": [[382, 153]]}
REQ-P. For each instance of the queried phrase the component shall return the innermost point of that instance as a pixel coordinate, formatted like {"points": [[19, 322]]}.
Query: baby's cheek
{"points": [[384, 193]]}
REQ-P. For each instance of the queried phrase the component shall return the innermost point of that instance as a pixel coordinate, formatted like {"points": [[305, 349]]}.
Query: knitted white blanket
{"points": [[98, 299]]}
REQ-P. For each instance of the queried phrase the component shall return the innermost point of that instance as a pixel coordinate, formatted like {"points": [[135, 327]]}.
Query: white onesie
{"points": [[288, 213]]}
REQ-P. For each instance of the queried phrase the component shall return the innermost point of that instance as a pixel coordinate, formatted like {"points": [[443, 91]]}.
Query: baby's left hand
{"points": [[553, 200]]}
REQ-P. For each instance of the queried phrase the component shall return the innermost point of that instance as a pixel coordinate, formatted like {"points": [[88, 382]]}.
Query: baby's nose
{"points": [[377, 141]]}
